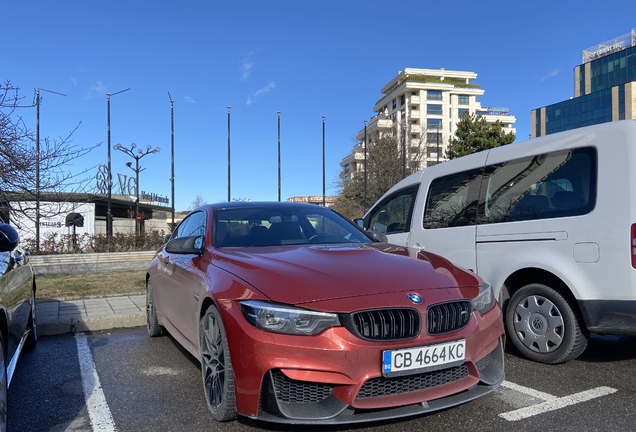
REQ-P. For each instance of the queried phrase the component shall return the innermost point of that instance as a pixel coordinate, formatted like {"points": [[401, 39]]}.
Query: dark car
{"points": [[17, 310], [297, 316]]}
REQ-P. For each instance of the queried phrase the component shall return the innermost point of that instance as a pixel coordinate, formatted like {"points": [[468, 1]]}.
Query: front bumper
{"points": [[336, 378], [293, 402]]}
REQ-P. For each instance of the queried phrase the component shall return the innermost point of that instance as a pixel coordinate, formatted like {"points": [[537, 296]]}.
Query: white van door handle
{"points": [[418, 247]]}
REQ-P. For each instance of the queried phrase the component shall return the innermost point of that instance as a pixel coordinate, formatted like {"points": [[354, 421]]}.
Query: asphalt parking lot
{"points": [[144, 384]]}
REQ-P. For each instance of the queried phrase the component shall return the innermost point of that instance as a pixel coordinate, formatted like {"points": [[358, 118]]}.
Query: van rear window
{"points": [[557, 184]]}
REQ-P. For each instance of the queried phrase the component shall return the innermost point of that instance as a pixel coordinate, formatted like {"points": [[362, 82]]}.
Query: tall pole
{"points": [[109, 214], [324, 204], [437, 144], [278, 156], [228, 156], [172, 155], [137, 221], [37, 164], [364, 207], [403, 150], [37, 170]]}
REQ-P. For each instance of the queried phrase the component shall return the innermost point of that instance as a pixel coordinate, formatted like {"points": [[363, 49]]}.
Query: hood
{"points": [[304, 274]]}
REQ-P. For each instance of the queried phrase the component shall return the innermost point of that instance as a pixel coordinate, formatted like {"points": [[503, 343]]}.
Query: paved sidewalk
{"points": [[57, 317]]}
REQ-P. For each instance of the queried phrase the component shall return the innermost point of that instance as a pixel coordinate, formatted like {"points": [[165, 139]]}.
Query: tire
{"points": [[544, 325], [4, 411], [152, 322], [216, 367], [32, 338]]}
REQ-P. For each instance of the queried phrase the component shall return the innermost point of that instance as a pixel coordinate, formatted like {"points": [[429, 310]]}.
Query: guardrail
{"points": [[90, 262]]}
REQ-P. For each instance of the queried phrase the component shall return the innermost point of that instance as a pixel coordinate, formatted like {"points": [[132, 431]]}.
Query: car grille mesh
{"points": [[292, 391], [386, 324], [383, 386], [448, 317]]}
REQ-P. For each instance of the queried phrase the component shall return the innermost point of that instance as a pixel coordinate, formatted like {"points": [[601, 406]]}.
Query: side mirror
{"points": [[359, 222], [186, 245], [9, 238], [378, 236]]}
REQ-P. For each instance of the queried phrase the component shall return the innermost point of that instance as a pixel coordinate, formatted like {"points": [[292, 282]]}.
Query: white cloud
{"points": [[188, 99], [246, 66], [245, 69], [96, 89], [269, 87], [556, 71]]}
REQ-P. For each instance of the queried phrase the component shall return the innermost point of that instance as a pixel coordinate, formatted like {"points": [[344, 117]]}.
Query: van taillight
{"points": [[633, 245]]}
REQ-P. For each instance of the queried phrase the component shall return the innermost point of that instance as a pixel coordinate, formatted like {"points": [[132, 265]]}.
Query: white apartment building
{"points": [[422, 106]]}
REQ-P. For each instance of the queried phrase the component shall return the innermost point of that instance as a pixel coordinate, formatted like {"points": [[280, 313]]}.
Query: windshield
{"points": [[262, 226]]}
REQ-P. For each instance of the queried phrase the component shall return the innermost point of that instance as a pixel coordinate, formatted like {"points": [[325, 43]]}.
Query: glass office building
{"points": [[604, 90]]}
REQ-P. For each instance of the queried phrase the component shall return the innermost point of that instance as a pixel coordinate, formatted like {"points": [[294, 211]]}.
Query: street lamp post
{"points": [[172, 156], [403, 150], [324, 203], [437, 144], [229, 189], [37, 164], [109, 215], [278, 156], [140, 154], [364, 200]]}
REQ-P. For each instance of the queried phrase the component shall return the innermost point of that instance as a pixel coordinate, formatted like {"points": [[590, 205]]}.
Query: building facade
{"points": [[422, 108], [604, 90]]}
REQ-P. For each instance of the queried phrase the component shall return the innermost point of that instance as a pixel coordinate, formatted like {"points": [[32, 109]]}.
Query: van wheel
{"points": [[544, 326]]}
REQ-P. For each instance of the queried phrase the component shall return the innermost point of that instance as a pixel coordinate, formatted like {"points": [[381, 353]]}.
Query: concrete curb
{"points": [[91, 324], [56, 317]]}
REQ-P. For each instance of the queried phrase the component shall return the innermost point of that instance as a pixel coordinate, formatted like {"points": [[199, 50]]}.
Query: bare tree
{"points": [[18, 160], [198, 202], [391, 156]]}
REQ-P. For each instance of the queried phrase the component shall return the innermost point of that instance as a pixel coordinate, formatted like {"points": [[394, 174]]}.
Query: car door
{"points": [[392, 216], [445, 212], [184, 280]]}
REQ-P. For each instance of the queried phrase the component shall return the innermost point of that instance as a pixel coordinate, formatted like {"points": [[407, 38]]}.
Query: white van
{"points": [[550, 223]]}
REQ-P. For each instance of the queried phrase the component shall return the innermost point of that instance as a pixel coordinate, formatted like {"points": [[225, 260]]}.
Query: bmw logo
{"points": [[415, 298]]}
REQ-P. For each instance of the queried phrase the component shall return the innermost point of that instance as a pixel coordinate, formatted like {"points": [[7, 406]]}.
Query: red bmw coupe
{"points": [[298, 316]]}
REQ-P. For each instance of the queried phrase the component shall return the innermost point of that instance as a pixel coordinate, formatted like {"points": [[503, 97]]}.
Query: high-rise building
{"points": [[604, 90], [421, 107]]}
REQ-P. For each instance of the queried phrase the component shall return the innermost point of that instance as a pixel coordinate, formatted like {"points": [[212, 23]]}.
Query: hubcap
{"points": [[539, 324]]}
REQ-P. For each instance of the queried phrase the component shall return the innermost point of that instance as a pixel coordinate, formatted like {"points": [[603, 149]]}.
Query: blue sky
{"points": [[304, 59]]}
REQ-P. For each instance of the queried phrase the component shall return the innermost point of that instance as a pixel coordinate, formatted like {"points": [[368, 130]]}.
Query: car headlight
{"points": [[286, 319], [485, 300]]}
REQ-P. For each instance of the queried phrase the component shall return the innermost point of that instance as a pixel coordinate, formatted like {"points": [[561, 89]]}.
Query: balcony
{"points": [[414, 99], [414, 114]]}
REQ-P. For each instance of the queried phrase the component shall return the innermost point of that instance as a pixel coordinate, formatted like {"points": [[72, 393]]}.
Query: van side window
{"points": [[557, 184], [393, 214], [452, 200]]}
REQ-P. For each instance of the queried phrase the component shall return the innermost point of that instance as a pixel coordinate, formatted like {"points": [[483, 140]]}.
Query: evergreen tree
{"points": [[473, 134]]}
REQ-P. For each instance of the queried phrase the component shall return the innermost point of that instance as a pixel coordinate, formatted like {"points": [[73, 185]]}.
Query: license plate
{"points": [[423, 359]]}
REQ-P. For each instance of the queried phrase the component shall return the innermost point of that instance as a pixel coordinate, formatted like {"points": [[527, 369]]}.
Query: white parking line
{"points": [[98, 411], [551, 402], [528, 391]]}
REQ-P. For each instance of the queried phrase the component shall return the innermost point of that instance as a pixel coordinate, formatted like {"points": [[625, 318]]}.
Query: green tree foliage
{"points": [[473, 134], [385, 167]]}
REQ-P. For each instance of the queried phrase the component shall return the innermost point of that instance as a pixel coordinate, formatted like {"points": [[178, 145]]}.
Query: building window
{"points": [[463, 99], [433, 109], [394, 103], [402, 100], [434, 95], [461, 111], [433, 123], [431, 137]]}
